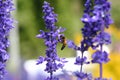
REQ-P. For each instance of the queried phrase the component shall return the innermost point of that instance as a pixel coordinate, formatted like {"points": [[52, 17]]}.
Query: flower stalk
{"points": [[85, 43], [96, 18], [102, 13], [51, 39], [6, 24]]}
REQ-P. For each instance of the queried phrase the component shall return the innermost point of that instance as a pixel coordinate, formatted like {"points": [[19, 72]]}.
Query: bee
{"points": [[63, 41]]}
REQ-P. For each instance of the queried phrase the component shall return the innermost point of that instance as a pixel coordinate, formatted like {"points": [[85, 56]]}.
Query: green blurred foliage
{"points": [[29, 14], [115, 12]]}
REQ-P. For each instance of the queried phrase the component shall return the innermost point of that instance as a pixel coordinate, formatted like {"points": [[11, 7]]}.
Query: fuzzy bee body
{"points": [[64, 45], [63, 41]]}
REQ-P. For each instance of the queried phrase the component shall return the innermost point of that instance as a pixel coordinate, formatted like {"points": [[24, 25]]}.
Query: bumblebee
{"points": [[63, 41]]}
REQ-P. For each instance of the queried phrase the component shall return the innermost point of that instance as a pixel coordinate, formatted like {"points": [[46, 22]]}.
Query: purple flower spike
{"points": [[101, 19], [88, 6], [51, 39], [50, 17], [6, 23], [102, 10]]}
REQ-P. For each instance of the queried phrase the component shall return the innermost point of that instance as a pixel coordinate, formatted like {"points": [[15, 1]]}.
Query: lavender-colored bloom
{"points": [[88, 6], [51, 39], [101, 38], [90, 29], [40, 60], [88, 34], [6, 6], [82, 76], [54, 78], [49, 16], [102, 11], [100, 57], [101, 19], [95, 21], [80, 60], [71, 44]]}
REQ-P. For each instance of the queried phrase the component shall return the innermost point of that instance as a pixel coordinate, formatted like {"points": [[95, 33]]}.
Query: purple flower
{"points": [[6, 23], [88, 33], [102, 11], [86, 18], [71, 44], [82, 76], [100, 57], [101, 19], [51, 39], [102, 38], [95, 21], [51, 67], [53, 78], [80, 60], [40, 60], [88, 6], [49, 16]]}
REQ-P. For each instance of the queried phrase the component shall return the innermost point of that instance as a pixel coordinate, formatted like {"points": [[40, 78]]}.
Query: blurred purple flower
{"points": [[102, 38], [102, 11], [6, 23], [80, 61], [82, 76], [71, 44], [102, 19], [88, 32], [54, 78], [96, 18], [100, 57], [88, 6]]}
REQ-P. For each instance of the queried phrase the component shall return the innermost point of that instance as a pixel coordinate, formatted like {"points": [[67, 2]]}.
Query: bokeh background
{"points": [[29, 21]]}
